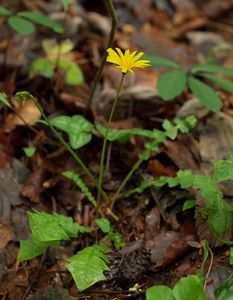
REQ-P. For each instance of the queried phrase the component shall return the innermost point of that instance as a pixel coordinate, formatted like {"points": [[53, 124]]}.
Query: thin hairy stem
{"points": [[68, 148], [124, 182], [112, 12], [100, 180]]}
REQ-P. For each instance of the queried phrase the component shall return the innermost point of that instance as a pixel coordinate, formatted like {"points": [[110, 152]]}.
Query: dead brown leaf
{"points": [[25, 113], [6, 235]]}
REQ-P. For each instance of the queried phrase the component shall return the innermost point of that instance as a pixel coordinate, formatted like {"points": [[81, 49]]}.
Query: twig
{"points": [[112, 12]]}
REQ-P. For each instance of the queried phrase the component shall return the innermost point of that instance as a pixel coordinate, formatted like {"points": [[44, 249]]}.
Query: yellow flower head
{"points": [[126, 62]]}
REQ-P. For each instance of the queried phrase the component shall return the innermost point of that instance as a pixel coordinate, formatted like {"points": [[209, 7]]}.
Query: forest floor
{"points": [[162, 242]]}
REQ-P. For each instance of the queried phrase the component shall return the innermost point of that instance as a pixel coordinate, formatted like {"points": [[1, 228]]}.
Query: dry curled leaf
{"points": [[25, 113]]}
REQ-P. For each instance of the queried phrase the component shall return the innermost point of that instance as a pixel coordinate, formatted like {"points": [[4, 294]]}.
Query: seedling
{"points": [[56, 58]]}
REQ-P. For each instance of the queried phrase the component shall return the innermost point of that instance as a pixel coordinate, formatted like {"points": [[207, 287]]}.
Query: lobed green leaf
{"points": [[51, 227], [87, 266], [77, 128]]}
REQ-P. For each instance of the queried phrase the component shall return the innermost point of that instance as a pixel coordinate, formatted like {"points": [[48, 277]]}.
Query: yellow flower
{"points": [[126, 62]]}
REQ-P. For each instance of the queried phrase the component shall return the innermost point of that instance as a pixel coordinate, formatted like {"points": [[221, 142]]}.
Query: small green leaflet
{"points": [[158, 61], [104, 224], [225, 291], [21, 25], [4, 12], [66, 4], [41, 20], [171, 84], [80, 183], [51, 227], [222, 82], [87, 266], [29, 151], [207, 96], [77, 128], [33, 248], [3, 99], [41, 66], [189, 204], [212, 69]]}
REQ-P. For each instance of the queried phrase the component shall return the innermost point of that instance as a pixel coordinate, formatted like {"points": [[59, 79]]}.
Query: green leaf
{"points": [[191, 288], [158, 61], [77, 128], [225, 291], [189, 204], [32, 248], [231, 256], [74, 74], [224, 83], [41, 66], [51, 227], [51, 47], [87, 266], [185, 178], [212, 69], [66, 4], [104, 225], [117, 240], [4, 11], [171, 130], [80, 183], [29, 151], [123, 135], [159, 292], [223, 170], [3, 99], [21, 25], [171, 84], [41, 20], [205, 94]]}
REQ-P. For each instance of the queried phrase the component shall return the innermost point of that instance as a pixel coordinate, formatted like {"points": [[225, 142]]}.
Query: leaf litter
{"points": [[157, 233]]}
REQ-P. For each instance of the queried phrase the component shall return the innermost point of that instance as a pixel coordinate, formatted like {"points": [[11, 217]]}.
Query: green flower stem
{"points": [[100, 179], [126, 179], [69, 149]]}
